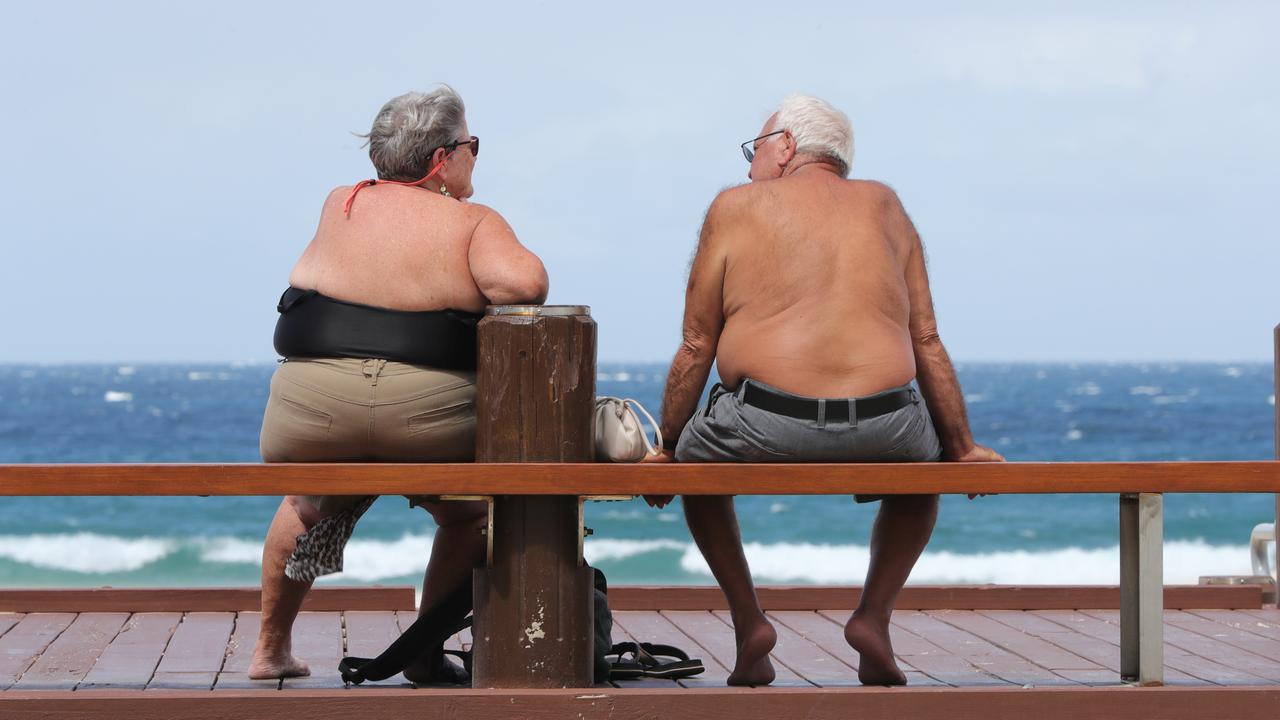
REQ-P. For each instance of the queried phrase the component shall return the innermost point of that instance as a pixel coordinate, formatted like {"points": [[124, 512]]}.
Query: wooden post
{"points": [[1142, 588], [536, 386]]}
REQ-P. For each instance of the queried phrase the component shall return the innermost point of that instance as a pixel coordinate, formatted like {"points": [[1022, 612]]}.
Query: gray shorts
{"points": [[729, 430]]}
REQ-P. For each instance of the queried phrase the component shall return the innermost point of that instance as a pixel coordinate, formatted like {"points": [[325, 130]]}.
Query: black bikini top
{"points": [[312, 325]]}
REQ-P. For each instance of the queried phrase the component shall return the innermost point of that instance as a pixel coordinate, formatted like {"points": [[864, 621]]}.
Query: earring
{"points": [[444, 190]]}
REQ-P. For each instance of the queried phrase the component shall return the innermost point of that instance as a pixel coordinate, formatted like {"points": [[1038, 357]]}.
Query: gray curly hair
{"points": [[409, 128]]}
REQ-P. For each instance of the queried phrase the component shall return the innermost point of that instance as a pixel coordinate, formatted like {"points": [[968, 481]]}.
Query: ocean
{"points": [[1029, 412]]}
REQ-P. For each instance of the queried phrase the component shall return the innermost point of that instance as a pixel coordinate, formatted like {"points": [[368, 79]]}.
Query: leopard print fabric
{"points": [[319, 550]]}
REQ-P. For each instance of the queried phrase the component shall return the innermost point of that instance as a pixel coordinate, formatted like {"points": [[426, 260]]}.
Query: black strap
{"points": [[426, 635]]}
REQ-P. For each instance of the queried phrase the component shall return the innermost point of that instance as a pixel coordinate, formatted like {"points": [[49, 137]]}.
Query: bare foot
{"points": [[875, 652], [752, 666], [279, 665]]}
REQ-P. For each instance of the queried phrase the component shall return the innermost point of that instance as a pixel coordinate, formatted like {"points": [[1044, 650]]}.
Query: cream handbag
{"points": [[619, 435]]}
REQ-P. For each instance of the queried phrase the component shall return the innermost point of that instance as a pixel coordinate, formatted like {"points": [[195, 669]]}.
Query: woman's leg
{"points": [[281, 600], [714, 527], [457, 548]]}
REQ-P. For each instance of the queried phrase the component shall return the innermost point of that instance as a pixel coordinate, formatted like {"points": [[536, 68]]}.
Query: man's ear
{"points": [[788, 147]]}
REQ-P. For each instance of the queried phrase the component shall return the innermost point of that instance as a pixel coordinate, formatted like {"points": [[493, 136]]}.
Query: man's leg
{"points": [[281, 600], [715, 529], [902, 529]]}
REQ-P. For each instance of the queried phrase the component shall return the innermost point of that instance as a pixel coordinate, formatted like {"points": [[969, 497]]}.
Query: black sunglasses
{"points": [[749, 147], [474, 142]]}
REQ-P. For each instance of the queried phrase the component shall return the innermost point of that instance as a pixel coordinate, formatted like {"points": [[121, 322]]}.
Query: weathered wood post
{"points": [[536, 386]]}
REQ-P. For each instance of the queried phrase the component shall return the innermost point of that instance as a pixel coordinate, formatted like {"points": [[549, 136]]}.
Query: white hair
{"points": [[409, 128], [819, 129]]}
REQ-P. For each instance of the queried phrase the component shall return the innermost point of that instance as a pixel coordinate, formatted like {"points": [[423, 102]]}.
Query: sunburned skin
{"points": [[815, 297], [408, 248]]}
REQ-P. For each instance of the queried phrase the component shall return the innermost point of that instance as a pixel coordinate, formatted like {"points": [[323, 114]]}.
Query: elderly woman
{"points": [[377, 330]]}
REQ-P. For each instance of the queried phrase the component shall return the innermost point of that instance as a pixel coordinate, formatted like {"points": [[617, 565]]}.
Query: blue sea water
{"points": [[203, 413]]}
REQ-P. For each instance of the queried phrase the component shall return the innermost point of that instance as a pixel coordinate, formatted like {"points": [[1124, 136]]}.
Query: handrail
{"points": [[38, 480]]}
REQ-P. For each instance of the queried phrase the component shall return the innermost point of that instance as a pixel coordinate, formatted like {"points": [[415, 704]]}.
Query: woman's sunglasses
{"points": [[474, 142]]}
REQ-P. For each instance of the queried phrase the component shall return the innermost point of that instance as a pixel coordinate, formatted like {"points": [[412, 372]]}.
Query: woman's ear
{"points": [[438, 156]]}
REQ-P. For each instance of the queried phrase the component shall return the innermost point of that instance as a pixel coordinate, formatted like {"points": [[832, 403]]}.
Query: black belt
{"points": [[837, 410]]}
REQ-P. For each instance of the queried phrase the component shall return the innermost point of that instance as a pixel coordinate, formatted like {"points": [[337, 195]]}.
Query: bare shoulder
{"points": [[732, 203]]}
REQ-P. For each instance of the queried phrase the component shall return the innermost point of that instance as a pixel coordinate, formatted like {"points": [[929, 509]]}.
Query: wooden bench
{"points": [[1139, 486]]}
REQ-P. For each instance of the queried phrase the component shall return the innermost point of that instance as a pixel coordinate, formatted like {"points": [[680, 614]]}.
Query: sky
{"points": [[1092, 181]]}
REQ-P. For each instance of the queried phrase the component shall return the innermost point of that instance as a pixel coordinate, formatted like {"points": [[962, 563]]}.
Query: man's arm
{"points": [[703, 321], [934, 371]]}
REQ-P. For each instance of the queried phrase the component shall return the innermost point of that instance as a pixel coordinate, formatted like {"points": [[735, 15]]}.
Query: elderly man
{"points": [[809, 291]]}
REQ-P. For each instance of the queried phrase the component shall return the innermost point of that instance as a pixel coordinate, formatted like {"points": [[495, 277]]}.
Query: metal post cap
{"points": [[538, 310]]}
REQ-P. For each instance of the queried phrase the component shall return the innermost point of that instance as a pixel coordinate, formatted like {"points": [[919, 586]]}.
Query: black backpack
{"points": [[425, 638]]}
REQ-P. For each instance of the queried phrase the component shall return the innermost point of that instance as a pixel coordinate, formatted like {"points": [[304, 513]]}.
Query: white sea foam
{"points": [[1088, 388], [975, 398], [196, 376], [1185, 562], [380, 560], [85, 552], [1271, 400], [1232, 372], [1144, 390], [126, 370], [1074, 434], [604, 550], [115, 396]]}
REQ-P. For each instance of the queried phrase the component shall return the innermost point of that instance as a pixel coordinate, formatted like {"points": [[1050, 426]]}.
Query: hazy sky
{"points": [[1092, 182]]}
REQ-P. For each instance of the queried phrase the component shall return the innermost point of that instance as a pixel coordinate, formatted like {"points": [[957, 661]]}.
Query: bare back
{"points": [[409, 249], [815, 292]]}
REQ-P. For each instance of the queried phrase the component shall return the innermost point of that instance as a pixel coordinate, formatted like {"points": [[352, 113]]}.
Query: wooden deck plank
{"points": [[1114, 703], [131, 658], [981, 653], [1100, 652], [1248, 642], [716, 639], [8, 620], [26, 640], [195, 653], [317, 641], [368, 634], [1033, 649], [927, 657], [234, 674], [213, 599], [651, 626], [1261, 669], [808, 660], [1262, 626], [1175, 658], [829, 635], [66, 660]]}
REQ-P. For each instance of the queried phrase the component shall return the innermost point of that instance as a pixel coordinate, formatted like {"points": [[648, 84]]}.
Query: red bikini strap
{"points": [[346, 207]]}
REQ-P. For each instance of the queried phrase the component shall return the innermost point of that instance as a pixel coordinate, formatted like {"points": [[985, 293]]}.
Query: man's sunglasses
{"points": [[474, 142], [749, 147]]}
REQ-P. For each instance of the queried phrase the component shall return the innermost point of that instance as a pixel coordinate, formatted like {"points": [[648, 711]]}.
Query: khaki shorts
{"points": [[347, 409]]}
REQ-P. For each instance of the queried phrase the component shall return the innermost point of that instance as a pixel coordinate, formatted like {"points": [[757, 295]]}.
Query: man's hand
{"points": [[663, 456], [978, 454]]}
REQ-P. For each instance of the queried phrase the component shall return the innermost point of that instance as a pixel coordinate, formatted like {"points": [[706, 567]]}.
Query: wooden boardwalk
{"points": [[1052, 662], [956, 648]]}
